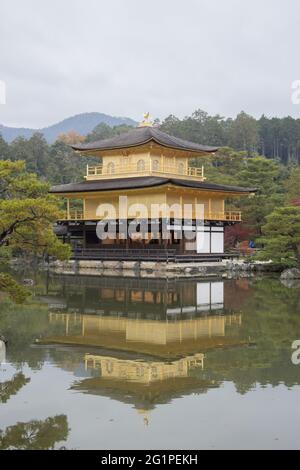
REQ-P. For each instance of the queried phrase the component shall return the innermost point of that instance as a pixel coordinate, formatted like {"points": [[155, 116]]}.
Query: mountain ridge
{"points": [[82, 123]]}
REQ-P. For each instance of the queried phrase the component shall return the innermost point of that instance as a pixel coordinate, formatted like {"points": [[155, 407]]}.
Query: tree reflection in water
{"points": [[11, 387], [35, 435]]}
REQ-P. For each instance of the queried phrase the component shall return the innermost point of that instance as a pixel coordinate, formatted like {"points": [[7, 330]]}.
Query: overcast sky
{"points": [[123, 57]]}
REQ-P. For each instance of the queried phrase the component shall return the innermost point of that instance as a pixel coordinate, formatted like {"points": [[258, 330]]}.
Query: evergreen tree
{"points": [[281, 236]]}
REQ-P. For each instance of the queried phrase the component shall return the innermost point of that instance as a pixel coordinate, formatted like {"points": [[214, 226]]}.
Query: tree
{"points": [[121, 129], [292, 185], [199, 127], [172, 125], [35, 435], [17, 293], [244, 133], [261, 173], [281, 236], [235, 168], [224, 166], [4, 149], [264, 175], [103, 131], [71, 138], [100, 132], [34, 152], [237, 233], [65, 165], [19, 150], [12, 387], [27, 214], [22, 324]]}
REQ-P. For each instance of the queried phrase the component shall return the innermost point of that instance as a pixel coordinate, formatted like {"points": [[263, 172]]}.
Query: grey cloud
{"points": [[60, 58]]}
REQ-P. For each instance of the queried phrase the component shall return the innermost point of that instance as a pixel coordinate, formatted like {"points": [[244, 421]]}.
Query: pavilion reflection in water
{"points": [[140, 371], [148, 339], [143, 297], [167, 320]]}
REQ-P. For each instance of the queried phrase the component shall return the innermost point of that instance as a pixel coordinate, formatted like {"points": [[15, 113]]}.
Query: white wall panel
{"points": [[203, 242], [217, 292], [203, 293], [217, 242]]}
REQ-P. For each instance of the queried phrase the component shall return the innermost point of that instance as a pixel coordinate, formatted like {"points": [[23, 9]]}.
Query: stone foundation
{"points": [[149, 269]]}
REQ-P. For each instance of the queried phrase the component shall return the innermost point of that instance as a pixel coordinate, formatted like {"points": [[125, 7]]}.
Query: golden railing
{"points": [[230, 216], [111, 170], [74, 214]]}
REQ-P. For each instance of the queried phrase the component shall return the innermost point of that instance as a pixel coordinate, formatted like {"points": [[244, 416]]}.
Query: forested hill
{"points": [[81, 123], [277, 138]]}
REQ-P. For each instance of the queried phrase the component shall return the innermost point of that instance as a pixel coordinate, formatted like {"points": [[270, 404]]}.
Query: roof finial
{"points": [[145, 415], [146, 122]]}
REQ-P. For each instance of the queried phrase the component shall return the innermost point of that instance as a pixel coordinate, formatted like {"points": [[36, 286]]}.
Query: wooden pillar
{"points": [[84, 235], [165, 242], [181, 291], [83, 208], [67, 324], [83, 300], [182, 242], [68, 208], [160, 240], [127, 236]]}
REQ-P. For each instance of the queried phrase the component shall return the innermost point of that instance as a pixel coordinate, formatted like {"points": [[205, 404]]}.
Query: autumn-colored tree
{"points": [[237, 233], [71, 138]]}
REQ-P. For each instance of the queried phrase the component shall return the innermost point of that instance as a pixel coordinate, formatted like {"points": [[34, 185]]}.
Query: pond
{"points": [[114, 363]]}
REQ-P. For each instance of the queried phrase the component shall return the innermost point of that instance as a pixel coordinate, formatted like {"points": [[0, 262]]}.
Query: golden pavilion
{"points": [[148, 169]]}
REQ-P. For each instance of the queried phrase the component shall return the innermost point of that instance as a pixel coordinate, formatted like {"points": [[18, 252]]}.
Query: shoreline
{"points": [[147, 269]]}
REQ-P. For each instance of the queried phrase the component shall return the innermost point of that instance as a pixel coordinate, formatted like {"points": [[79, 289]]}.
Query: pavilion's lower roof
{"points": [[143, 182]]}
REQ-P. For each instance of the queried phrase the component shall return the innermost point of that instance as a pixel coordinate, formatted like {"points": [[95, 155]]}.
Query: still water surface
{"points": [[136, 363]]}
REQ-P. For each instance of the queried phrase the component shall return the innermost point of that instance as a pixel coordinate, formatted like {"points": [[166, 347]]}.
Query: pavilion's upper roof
{"points": [[144, 182], [141, 136]]}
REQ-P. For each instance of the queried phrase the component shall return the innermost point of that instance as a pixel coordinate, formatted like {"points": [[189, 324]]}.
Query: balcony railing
{"points": [[111, 170], [227, 216], [75, 214], [231, 216]]}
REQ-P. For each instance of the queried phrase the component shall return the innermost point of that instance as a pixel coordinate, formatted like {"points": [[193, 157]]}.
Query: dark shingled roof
{"points": [[143, 182], [141, 136]]}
